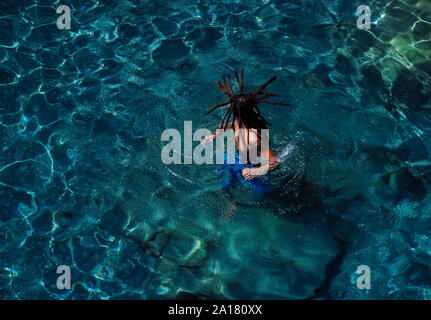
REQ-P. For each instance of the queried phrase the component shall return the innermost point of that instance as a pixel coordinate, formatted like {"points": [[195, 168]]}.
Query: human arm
{"points": [[273, 164], [214, 134], [270, 161]]}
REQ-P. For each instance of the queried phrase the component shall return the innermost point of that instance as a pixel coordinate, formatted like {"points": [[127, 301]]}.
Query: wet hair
{"points": [[243, 106]]}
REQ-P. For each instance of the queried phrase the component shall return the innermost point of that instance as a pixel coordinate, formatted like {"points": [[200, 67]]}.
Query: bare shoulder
{"points": [[253, 136]]}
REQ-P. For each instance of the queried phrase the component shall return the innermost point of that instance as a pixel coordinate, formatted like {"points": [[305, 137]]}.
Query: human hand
{"points": [[208, 138], [248, 173]]}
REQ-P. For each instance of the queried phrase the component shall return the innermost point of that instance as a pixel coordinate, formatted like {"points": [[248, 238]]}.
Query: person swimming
{"points": [[247, 125]]}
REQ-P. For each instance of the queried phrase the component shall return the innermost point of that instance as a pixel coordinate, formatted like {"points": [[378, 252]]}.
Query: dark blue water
{"points": [[82, 183]]}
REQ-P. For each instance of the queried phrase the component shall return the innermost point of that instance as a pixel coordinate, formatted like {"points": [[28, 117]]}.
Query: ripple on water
{"points": [[81, 182]]}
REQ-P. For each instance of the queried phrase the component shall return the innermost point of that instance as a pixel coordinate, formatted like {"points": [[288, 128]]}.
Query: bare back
{"points": [[249, 137]]}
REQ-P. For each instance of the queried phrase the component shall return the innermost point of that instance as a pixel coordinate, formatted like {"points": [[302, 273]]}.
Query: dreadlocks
{"points": [[243, 106]]}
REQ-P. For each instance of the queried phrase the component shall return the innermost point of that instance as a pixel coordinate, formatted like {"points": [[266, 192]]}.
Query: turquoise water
{"points": [[82, 183]]}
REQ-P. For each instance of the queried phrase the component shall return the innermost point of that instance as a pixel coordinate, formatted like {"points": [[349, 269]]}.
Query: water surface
{"points": [[82, 183]]}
